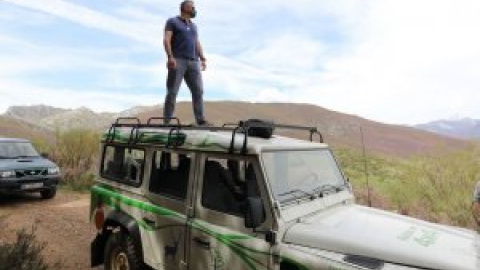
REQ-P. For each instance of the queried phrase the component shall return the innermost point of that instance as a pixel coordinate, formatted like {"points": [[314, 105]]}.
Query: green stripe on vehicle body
{"points": [[110, 194], [114, 199]]}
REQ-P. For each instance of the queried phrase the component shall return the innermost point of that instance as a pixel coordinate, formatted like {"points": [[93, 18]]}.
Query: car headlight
{"points": [[7, 174], [53, 171]]}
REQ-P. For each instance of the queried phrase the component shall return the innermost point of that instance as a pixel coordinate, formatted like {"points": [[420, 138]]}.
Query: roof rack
{"points": [[175, 138]]}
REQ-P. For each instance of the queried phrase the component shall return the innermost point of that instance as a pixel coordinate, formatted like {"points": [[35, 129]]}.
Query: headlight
{"points": [[53, 171], [7, 174]]}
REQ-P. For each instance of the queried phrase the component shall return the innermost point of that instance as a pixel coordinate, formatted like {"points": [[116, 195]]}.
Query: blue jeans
{"points": [[190, 71]]}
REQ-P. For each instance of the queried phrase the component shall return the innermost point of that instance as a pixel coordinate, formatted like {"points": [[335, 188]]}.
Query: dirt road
{"points": [[62, 223]]}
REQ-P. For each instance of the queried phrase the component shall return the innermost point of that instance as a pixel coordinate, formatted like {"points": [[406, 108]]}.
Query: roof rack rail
{"points": [[265, 129], [112, 129], [251, 127], [257, 123], [311, 130]]}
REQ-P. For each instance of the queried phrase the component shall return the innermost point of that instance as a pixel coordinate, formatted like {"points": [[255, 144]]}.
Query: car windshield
{"points": [[17, 150], [302, 173]]}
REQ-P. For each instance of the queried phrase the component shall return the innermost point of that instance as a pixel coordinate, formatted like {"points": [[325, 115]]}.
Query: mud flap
{"points": [[97, 249]]}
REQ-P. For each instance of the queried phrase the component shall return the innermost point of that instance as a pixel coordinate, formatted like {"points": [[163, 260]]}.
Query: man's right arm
{"points": [[167, 44]]}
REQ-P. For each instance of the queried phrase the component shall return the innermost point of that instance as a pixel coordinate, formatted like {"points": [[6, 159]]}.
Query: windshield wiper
{"points": [[327, 187], [293, 191], [25, 156]]}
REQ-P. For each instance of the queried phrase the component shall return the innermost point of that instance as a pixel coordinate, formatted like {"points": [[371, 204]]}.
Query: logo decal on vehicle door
{"points": [[171, 250]]}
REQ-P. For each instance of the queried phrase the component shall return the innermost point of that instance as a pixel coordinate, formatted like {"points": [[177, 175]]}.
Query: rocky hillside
{"points": [[339, 129], [32, 113], [10, 127], [52, 118], [78, 118]]}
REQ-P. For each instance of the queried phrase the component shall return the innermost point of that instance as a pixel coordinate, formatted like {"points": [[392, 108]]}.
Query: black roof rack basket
{"points": [[251, 127]]}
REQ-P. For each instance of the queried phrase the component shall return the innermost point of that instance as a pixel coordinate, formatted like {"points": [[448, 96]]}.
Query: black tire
{"points": [[48, 193], [121, 253]]}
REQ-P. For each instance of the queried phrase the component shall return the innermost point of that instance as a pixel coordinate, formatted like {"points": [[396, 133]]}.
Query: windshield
{"points": [[17, 149], [303, 173]]}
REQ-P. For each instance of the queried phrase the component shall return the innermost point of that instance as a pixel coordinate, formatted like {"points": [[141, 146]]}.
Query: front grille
{"points": [[30, 172]]}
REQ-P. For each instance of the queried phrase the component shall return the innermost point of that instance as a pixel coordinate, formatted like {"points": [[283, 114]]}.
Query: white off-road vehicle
{"points": [[238, 197]]}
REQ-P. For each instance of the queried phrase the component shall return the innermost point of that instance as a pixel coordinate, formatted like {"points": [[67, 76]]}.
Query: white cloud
{"points": [[404, 65], [112, 65], [72, 98], [394, 61], [291, 53], [141, 32]]}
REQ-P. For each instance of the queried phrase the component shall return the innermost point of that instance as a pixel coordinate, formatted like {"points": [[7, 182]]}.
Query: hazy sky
{"points": [[394, 61]]}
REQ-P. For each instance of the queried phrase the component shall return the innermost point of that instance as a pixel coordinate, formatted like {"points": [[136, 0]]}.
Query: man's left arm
{"points": [[203, 60]]}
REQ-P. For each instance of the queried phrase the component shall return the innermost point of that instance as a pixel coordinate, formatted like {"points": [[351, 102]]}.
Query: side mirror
{"points": [[254, 214], [44, 155]]}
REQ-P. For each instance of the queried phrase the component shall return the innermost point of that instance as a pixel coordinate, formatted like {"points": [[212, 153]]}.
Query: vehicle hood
{"points": [[357, 230], [25, 163]]}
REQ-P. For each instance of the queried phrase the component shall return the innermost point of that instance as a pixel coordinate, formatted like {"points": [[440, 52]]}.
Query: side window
{"points": [[123, 164], [224, 185], [170, 173]]}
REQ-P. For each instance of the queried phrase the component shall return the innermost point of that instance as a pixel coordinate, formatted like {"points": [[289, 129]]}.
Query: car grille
{"points": [[30, 172]]}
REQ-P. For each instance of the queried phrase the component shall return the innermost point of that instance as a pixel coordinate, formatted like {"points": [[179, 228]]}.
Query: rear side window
{"points": [[170, 173], [123, 164]]}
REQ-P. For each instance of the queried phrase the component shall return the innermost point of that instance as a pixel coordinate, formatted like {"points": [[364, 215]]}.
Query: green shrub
{"points": [[380, 171], [76, 153], [24, 254], [82, 182], [439, 187]]}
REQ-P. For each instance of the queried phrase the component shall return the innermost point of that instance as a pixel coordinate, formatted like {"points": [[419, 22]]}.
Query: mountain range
{"points": [[338, 129], [52, 118], [465, 128]]}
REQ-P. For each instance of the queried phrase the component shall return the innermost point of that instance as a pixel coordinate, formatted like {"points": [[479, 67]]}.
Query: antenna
{"points": [[366, 169]]}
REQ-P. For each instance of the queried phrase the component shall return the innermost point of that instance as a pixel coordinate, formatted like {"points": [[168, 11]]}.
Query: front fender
{"points": [[115, 220]]}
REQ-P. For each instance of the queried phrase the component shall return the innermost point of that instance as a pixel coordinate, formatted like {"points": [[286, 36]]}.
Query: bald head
{"points": [[185, 5]]}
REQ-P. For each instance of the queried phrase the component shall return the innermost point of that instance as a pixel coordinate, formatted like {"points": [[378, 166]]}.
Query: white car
{"points": [[239, 197]]}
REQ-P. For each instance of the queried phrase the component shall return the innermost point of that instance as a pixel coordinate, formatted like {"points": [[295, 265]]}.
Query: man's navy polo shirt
{"points": [[184, 38]]}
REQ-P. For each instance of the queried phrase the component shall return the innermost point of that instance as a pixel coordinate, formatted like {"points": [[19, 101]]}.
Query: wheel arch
{"points": [[116, 220]]}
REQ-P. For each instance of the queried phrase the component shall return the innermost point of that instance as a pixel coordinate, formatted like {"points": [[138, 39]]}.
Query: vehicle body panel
{"points": [[369, 232], [319, 232]]}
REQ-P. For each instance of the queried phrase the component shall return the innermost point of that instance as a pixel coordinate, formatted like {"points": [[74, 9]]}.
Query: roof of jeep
{"points": [[5, 140], [276, 142], [206, 140]]}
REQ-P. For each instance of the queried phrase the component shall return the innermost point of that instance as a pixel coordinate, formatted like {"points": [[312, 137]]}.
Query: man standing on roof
{"points": [[184, 50]]}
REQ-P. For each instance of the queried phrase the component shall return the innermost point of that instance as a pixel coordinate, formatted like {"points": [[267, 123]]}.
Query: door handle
{"points": [[149, 221], [203, 243]]}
